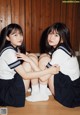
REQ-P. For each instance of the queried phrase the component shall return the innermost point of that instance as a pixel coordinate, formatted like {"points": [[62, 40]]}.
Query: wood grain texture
{"points": [[34, 16], [50, 107]]}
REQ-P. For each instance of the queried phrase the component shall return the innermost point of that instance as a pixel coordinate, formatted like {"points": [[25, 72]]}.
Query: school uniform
{"points": [[12, 90], [67, 81]]}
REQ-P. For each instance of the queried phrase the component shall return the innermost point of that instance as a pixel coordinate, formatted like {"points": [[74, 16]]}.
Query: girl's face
{"points": [[53, 38], [15, 38]]}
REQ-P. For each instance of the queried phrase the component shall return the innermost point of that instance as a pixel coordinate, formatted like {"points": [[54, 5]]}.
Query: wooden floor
{"points": [[50, 107]]}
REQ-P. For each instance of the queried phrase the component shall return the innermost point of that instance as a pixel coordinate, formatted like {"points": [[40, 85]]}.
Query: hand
{"points": [[55, 69], [23, 57]]}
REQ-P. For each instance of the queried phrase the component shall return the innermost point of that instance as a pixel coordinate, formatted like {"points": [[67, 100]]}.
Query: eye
{"points": [[56, 35], [15, 34]]}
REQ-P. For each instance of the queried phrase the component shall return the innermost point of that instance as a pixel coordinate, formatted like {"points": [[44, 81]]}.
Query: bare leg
{"points": [[35, 60], [34, 82], [27, 68], [51, 84], [43, 61], [41, 95]]}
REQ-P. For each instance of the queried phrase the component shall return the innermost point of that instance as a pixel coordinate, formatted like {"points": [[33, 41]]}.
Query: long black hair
{"points": [[6, 31], [64, 34]]}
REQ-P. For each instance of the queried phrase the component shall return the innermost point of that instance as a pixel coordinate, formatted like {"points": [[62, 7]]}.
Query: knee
{"points": [[43, 55], [34, 58], [27, 67], [32, 55], [43, 60]]}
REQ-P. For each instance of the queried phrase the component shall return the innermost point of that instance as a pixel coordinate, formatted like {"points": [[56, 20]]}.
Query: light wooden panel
{"points": [[5, 13], [15, 11]]}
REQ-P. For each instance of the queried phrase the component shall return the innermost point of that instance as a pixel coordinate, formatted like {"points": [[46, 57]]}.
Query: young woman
{"points": [[14, 70], [65, 86]]}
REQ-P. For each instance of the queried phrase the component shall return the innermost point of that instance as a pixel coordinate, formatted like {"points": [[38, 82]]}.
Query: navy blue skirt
{"points": [[67, 92], [12, 92]]}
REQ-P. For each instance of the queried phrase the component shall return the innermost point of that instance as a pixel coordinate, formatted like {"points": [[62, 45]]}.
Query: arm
{"points": [[38, 72], [33, 75]]}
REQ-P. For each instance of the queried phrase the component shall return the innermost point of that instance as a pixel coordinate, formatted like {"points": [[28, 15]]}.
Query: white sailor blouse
{"points": [[68, 63], [8, 62]]}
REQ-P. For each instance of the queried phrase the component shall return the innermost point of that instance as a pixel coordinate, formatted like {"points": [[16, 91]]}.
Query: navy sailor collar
{"points": [[9, 46], [65, 50]]}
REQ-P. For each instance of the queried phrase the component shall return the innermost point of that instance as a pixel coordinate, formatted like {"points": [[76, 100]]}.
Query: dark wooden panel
{"points": [[74, 39], [52, 10], [33, 26], [63, 12], [28, 24], [39, 23], [69, 17], [22, 15], [57, 8], [78, 28]]}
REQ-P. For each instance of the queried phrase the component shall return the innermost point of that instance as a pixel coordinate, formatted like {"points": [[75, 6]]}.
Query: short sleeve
{"points": [[10, 58], [59, 57]]}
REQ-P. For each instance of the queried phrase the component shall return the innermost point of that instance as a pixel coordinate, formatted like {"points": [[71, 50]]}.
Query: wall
{"points": [[35, 16]]}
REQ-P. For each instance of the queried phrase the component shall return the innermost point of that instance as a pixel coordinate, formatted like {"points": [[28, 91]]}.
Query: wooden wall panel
{"points": [[34, 16], [4, 13], [8, 12], [52, 11], [57, 8], [22, 15], [74, 38], [28, 24], [15, 11], [33, 25], [69, 17], [77, 29], [38, 25], [63, 12]]}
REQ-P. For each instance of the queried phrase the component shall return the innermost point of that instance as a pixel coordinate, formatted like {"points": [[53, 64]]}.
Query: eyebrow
{"points": [[15, 32]]}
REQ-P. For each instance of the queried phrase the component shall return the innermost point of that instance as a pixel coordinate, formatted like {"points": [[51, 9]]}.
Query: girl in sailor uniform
{"points": [[15, 74], [65, 86]]}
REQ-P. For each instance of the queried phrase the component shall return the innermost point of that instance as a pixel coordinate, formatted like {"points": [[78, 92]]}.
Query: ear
{"points": [[7, 38]]}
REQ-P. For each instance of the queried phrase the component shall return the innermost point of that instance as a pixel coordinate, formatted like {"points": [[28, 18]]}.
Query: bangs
{"points": [[53, 30], [13, 28], [15, 31]]}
